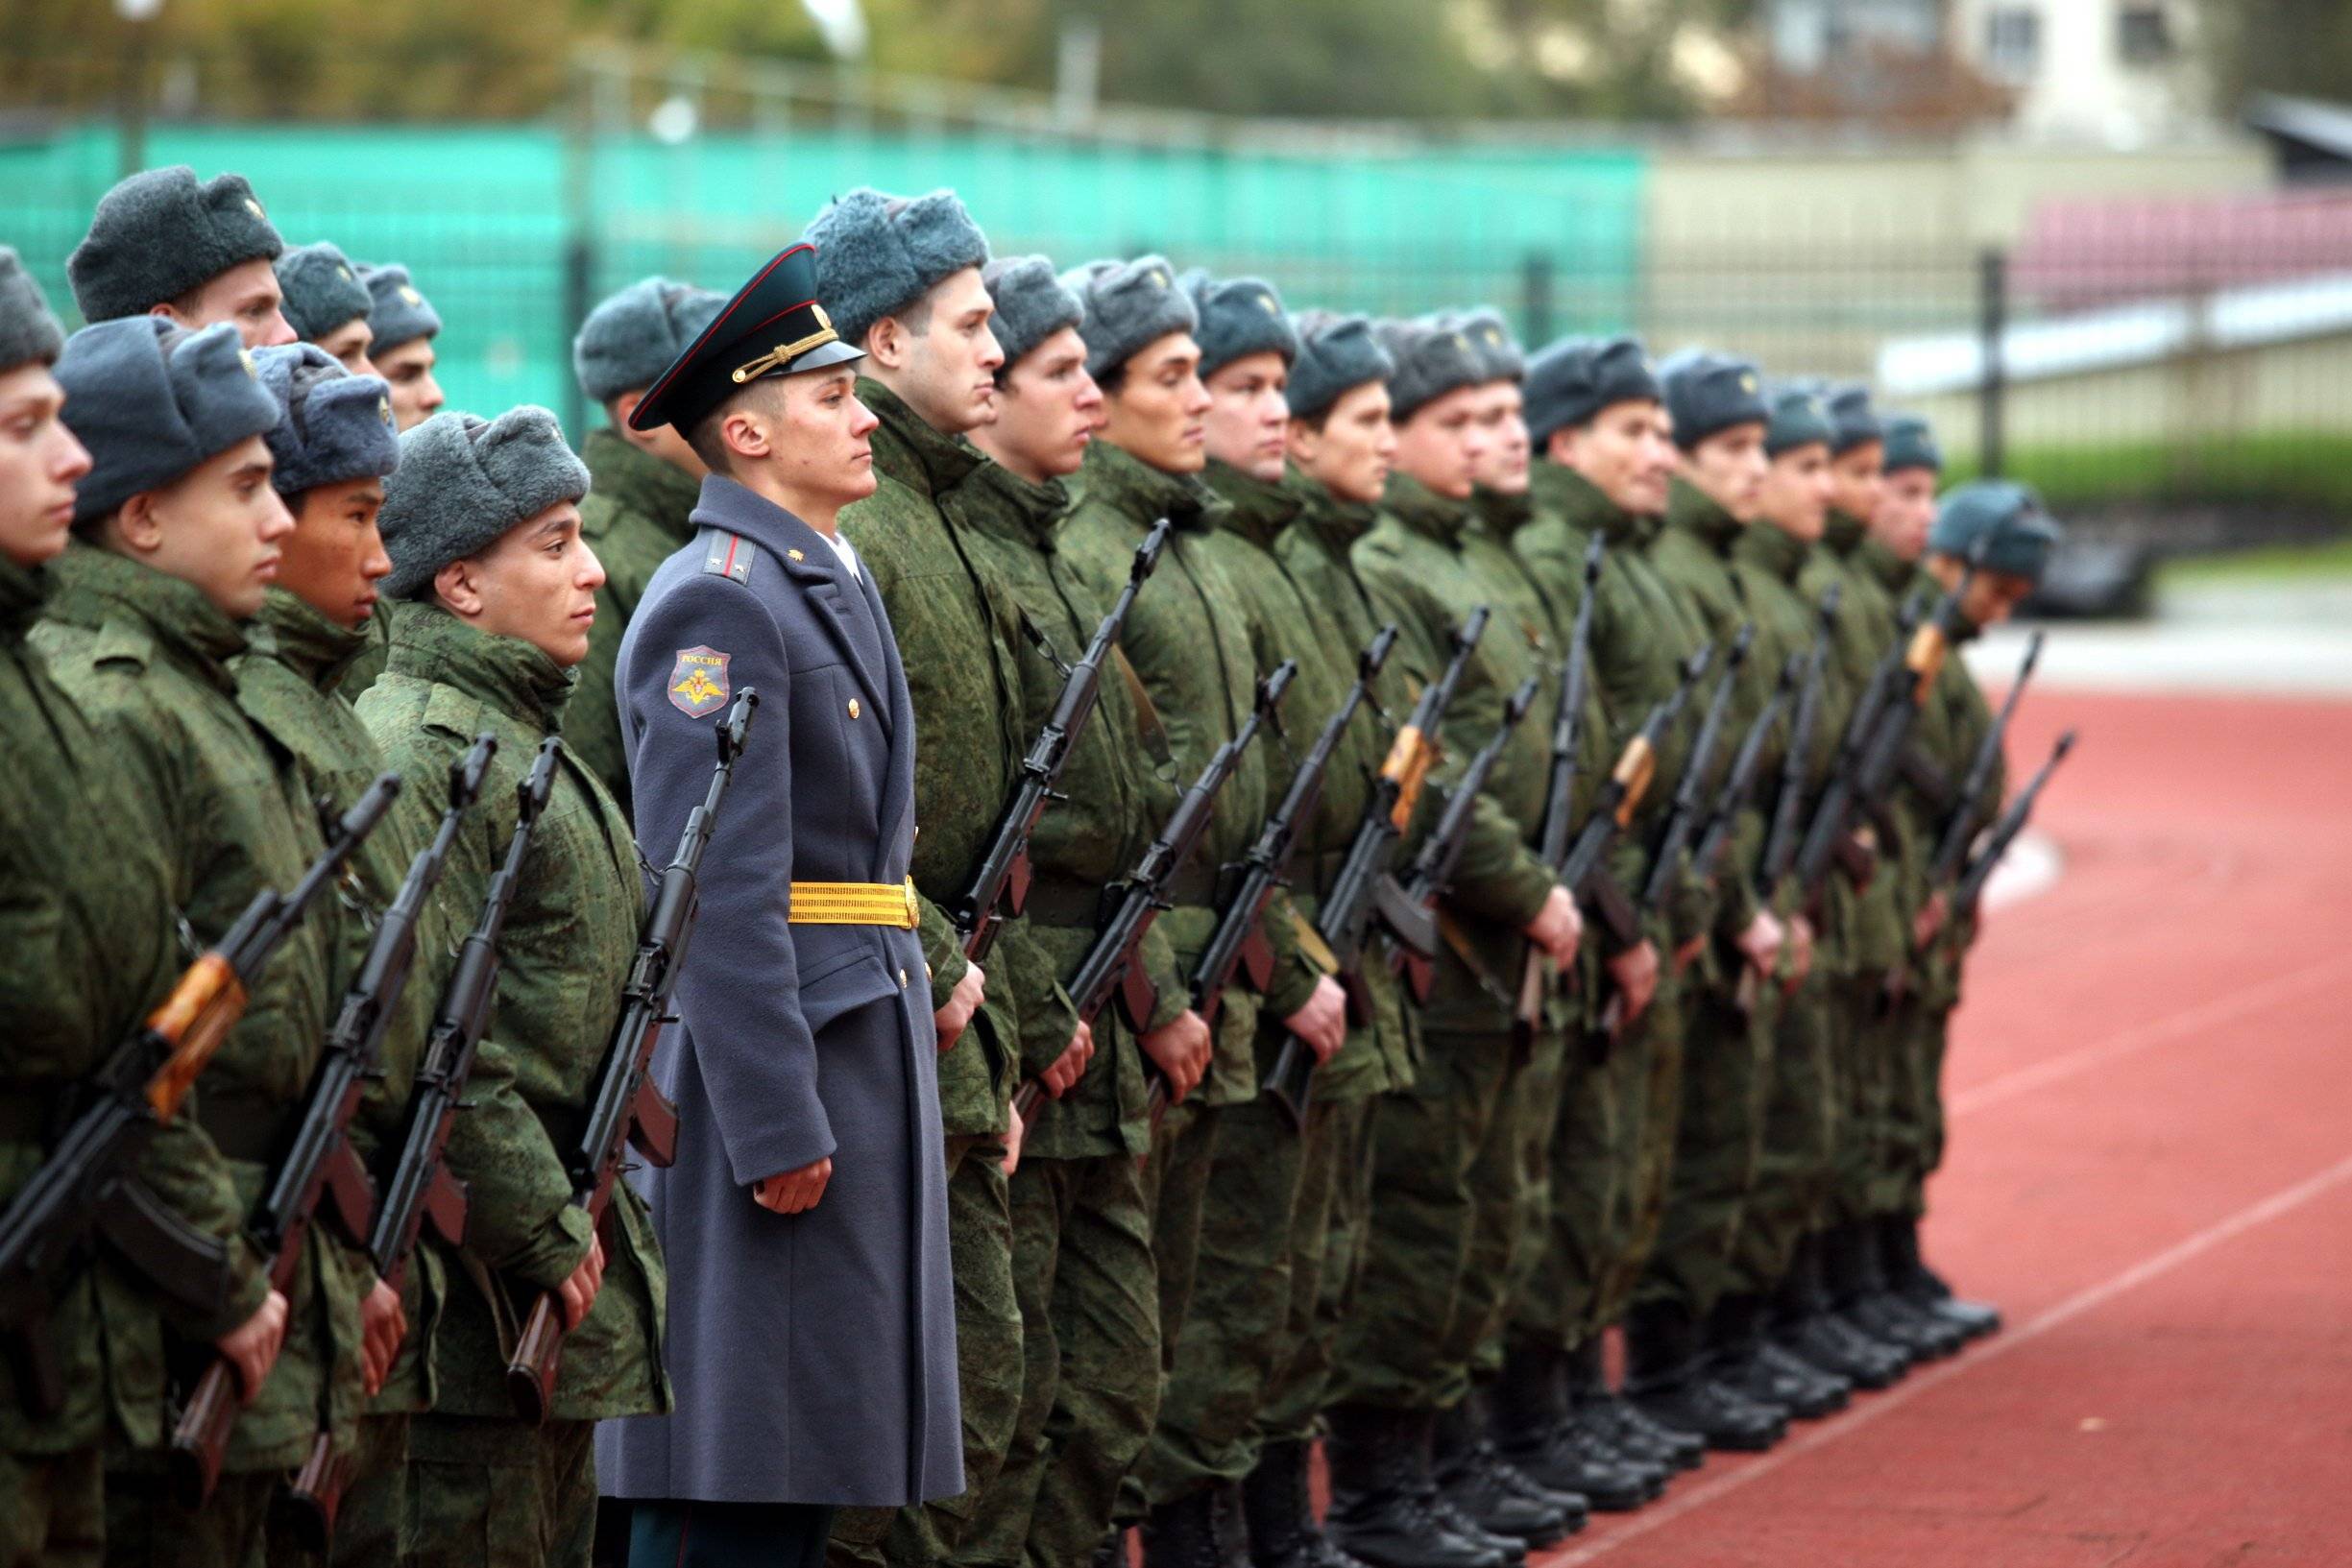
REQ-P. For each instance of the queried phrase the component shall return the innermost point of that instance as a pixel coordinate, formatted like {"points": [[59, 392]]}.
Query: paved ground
{"points": [[2151, 1172]]}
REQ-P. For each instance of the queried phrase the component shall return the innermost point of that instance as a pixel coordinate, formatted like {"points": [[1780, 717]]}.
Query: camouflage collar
{"points": [[1772, 548], [912, 451], [1577, 501], [1843, 532], [1883, 564], [1425, 511], [23, 590], [634, 479], [1000, 501], [1504, 515], [502, 672], [1338, 524], [1689, 507], [95, 585], [1255, 510], [316, 648], [1119, 479]]}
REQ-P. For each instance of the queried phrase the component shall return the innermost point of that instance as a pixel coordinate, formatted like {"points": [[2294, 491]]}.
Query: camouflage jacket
{"points": [[633, 518], [1767, 562], [1865, 626], [1200, 655], [87, 947], [1640, 632], [146, 656], [570, 934], [1117, 791], [1433, 562], [1313, 549], [286, 684], [955, 640]]}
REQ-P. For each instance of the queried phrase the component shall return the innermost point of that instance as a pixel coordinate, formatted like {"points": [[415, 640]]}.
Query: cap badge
{"points": [[383, 409], [1266, 303], [344, 273], [409, 295], [1157, 279], [254, 207], [244, 357], [1747, 382]]}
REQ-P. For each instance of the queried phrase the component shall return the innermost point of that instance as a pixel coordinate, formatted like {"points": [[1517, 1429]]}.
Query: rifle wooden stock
{"points": [[314, 1497], [195, 1019]]}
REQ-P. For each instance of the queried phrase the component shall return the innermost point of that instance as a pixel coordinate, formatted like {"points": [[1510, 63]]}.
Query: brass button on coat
{"points": [[853, 708]]}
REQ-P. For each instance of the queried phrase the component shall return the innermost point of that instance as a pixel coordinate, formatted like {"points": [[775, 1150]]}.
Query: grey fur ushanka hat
{"points": [[1238, 317], [28, 332], [397, 312], [1031, 304], [1708, 392], [322, 290], [463, 481], [1431, 359], [153, 400], [337, 426], [1570, 382], [877, 254], [1336, 354], [1128, 306], [1490, 337], [159, 233], [632, 336]]}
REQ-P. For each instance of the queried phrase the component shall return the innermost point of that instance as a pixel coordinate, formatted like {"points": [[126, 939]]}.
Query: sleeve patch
{"points": [[699, 682]]}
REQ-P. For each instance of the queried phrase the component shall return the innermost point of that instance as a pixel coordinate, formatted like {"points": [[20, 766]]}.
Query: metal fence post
{"points": [[1992, 386], [1535, 297]]}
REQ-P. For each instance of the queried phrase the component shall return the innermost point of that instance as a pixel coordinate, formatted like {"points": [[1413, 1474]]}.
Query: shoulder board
{"points": [[451, 710], [729, 555], [123, 642]]}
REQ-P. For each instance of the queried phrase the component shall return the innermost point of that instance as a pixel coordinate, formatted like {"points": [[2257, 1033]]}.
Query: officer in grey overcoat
{"points": [[812, 1336]]}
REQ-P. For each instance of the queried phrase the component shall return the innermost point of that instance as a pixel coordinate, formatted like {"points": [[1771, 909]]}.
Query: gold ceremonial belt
{"points": [[855, 903]]}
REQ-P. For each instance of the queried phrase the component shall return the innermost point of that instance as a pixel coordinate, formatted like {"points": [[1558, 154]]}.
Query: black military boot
{"points": [[1744, 1359], [1910, 1278], [1667, 1377], [1183, 1533], [1384, 1506], [1476, 1479], [1278, 1515], [1859, 1287], [1803, 1325], [1536, 1428], [1611, 1417]]}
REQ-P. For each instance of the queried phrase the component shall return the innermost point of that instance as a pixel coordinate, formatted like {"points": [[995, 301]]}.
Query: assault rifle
{"points": [[1952, 850], [998, 887], [1433, 868], [1970, 890], [88, 1190], [1690, 789], [1826, 838], [1621, 796], [1558, 833], [1366, 890], [1110, 967], [1739, 784], [627, 1108], [322, 1163], [1780, 841]]}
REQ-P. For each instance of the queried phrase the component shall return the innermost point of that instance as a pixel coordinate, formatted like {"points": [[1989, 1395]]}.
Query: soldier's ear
{"points": [[886, 343], [136, 526], [458, 588]]}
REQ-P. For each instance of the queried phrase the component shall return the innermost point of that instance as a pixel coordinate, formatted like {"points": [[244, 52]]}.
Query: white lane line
{"points": [[2030, 869], [1918, 1384], [2144, 1036]]}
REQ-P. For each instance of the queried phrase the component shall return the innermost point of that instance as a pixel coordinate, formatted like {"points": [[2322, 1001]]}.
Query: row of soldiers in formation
{"points": [[1687, 1085]]}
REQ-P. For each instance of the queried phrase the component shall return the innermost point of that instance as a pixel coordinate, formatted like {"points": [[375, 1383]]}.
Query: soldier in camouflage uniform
{"points": [[1444, 1190], [1234, 1334], [1082, 1256], [642, 482], [404, 324], [179, 534], [1200, 657], [326, 303], [1717, 411], [331, 453], [496, 592], [89, 938], [902, 278], [196, 254], [1595, 414]]}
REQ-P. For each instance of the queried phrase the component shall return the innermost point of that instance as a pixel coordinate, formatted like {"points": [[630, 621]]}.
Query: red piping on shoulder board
{"points": [[735, 542]]}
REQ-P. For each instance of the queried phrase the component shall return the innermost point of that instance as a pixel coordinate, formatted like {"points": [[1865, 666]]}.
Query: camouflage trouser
{"points": [[1408, 1343], [1727, 1082], [1798, 1171], [1503, 1271], [52, 1510], [1583, 1222], [1090, 1352], [988, 1368], [1239, 1327], [1651, 1114], [145, 1529], [490, 1493], [1176, 1185], [1866, 1063], [367, 1525], [1328, 1231], [1915, 1130]]}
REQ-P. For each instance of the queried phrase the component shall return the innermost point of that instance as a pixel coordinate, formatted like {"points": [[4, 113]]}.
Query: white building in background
{"points": [[2120, 72]]}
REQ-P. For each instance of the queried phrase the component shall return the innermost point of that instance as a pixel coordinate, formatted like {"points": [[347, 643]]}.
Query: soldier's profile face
{"points": [[246, 295], [1351, 453], [39, 462], [334, 557], [1047, 410], [942, 358], [538, 583], [1795, 497], [1502, 420], [1728, 467], [350, 344], [1906, 511], [219, 526], [1159, 413], [1625, 451], [1442, 444], [1856, 476], [1248, 413], [416, 396], [819, 436]]}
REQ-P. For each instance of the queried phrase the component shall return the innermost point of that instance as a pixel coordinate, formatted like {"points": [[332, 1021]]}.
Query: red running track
{"points": [[2151, 1170]]}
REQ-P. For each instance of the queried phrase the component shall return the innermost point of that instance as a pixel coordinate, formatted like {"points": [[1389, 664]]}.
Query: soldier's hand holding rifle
{"points": [[952, 1020]]}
